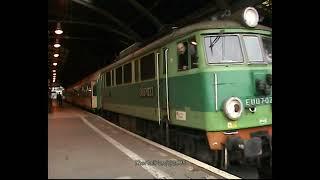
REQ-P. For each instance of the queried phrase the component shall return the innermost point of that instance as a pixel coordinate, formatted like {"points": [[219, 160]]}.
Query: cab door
{"points": [[162, 85]]}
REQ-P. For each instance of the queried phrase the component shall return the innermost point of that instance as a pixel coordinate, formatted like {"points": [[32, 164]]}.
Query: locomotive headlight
{"points": [[250, 17], [233, 108]]}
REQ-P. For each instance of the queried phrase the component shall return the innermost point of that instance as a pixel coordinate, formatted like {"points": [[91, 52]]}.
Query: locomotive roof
{"points": [[180, 32], [219, 24]]}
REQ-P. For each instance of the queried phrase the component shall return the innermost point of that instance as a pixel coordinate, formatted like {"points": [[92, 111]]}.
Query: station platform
{"points": [[84, 145]]}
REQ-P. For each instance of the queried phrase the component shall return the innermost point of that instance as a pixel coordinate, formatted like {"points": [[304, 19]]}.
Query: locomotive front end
{"points": [[239, 62]]}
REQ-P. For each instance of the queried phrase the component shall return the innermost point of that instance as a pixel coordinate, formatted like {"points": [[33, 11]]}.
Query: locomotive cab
{"points": [[239, 62]]}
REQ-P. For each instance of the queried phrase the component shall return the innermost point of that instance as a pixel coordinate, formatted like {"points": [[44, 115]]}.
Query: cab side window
{"points": [[182, 56], [187, 54]]}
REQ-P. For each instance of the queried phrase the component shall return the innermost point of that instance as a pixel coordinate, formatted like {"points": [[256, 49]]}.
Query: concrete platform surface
{"points": [[83, 146]]}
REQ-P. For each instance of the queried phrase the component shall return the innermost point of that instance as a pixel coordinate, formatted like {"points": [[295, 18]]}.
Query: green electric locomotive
{"points": [[204, 89]]}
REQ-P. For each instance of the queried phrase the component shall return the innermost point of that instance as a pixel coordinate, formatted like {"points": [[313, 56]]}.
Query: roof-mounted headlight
{"points": [[250, 17], [233, 108]]}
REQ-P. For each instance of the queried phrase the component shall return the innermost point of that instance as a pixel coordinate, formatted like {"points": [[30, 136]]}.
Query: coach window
{"points": [[114, 77], [88, 90], [94, 92], [119, 75], [111, 78], [127, 72], [81, 91], [85, 90], [147, 67], [103, 80], [136, 70], [108, 79], [223, 49]]}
